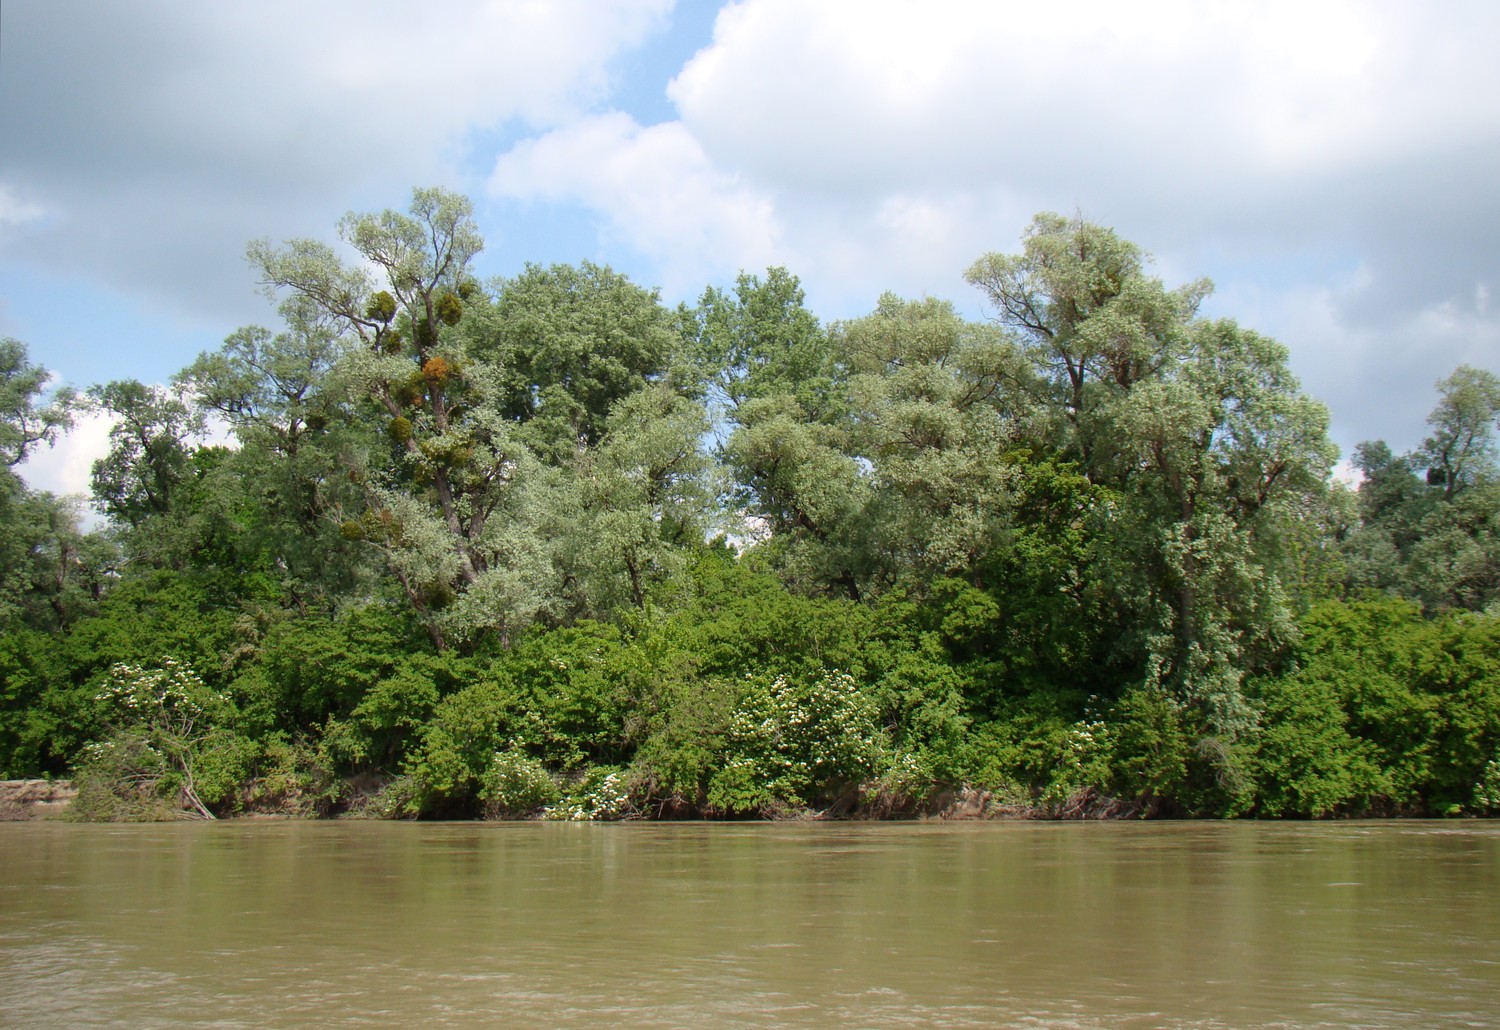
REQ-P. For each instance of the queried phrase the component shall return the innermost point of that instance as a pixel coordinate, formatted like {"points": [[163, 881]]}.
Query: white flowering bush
{"points": [[795, 743], [170, 746], [1082, 766], [601, 795], [515, 786], [171, 697]]}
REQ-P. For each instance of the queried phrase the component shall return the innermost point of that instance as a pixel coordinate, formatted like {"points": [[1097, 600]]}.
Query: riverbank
{"points": [[28, 800], [21, 800]]}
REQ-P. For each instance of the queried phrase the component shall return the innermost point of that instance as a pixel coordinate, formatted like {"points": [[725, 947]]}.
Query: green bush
{"points": [[516, 786], [459, 743], [1384, 711], [1487, 790], [1150, 748], [294, 777], [170, 746], [799, 742]]}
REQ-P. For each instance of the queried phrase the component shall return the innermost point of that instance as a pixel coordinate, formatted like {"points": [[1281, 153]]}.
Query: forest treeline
{"points": [[545, 546]]}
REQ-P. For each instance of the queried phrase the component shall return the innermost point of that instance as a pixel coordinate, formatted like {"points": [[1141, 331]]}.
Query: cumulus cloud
{"points": [[888, 143], [162, 135], [1331, 165], [658, 192], [64, 468], [897, 91]]}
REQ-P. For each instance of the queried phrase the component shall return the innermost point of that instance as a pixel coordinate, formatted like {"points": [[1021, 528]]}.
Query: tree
{"points": [[293, 415], [150, 450], [762, 341], [571, 342], [1429, 525], [52, 572], [24, 421], [786, 431], [1201, 433], [275, 390], [934, 415], [454, 456], [480, 408], [627, 513], [1460, 451], [1091, 321]]}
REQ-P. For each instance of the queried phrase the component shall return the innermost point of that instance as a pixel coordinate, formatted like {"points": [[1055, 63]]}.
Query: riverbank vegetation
{"points": [[543, 546]]}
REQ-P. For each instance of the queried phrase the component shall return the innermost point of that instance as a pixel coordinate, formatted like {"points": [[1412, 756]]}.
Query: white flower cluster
{"points": [[605, 799], [516, 784], [172, 692], [1487, 790], [799, 735]]}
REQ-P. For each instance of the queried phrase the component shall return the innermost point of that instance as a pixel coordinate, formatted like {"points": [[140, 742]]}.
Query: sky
{"points": [[1333, 166]]}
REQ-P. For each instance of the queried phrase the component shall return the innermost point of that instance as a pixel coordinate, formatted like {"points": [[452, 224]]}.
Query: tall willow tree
{"points": [[529, 452], [787, 425], [934, 416], [598, 390], [440, 508], [1199, 430]]}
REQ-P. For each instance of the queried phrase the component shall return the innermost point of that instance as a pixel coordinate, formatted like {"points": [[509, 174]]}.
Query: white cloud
{"points": [[894, 90], [887, 143], [14, 210], [659, 194], [163, 135], [1174, 121], [866, 144], [64, 468]]}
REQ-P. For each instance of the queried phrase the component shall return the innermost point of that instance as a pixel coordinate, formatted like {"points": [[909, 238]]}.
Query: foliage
{"points": [[1487, 790], [301, 671], [516, 786], [1150, 749], [1386, 712], [294, 777], [600, 795], [150, 450], [798, 743], [25, 420], [545, 547], [1429, 526], [170, 743], [571, 344]]}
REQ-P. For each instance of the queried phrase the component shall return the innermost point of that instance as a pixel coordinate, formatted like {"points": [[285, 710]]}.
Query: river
{"points": [[259, 924]]}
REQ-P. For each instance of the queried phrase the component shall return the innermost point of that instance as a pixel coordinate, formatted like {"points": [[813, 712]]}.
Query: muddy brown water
{"points": [[262, 924]]}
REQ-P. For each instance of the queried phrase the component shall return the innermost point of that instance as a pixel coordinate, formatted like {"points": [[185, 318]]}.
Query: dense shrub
{"points": [[794, 743], [516, 786], [170, 746]]}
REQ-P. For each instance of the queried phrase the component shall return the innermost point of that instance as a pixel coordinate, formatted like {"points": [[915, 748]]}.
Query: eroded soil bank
{"points": [[34, 799]]}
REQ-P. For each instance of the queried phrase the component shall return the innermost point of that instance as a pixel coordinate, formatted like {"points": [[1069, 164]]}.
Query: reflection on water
{"points": [[1021, 924]]}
